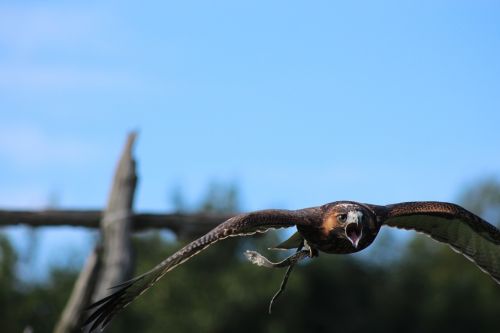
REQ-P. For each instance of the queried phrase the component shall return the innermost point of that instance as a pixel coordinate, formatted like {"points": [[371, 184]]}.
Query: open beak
{"points": [[353, 232]]}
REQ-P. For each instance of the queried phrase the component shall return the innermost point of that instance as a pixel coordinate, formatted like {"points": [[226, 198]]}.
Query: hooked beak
{"points": [[353, 232]]}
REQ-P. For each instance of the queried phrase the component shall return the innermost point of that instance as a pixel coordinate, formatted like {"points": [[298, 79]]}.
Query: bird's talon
{"points": [[255, 258]]}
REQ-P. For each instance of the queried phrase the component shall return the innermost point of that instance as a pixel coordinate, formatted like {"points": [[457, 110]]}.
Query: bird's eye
{"points": [[342, 218]]}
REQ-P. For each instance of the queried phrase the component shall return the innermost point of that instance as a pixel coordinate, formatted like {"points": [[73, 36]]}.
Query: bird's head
{"points": [[350, 221]]}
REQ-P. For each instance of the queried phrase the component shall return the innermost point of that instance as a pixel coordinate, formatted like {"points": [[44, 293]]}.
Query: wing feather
{"points": [[240, 225], [448, 223]]}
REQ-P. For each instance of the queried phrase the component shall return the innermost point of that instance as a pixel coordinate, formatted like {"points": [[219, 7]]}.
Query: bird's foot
{"points": [[259, 260]]}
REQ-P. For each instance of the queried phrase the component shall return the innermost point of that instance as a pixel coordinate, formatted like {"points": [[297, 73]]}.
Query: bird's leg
{"points": [[289, 262], [282, 287], [299, 254]]}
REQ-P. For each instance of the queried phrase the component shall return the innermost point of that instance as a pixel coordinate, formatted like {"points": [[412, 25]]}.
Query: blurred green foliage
{"points": [[423, 287]]}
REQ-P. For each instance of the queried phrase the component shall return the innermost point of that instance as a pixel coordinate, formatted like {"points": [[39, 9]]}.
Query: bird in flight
{"points": [[339, 227]]}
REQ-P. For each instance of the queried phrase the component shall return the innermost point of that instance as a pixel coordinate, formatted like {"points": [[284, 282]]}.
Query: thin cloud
{"points": [[43, 78], [28, 28], [30, 34], [29, 146]]}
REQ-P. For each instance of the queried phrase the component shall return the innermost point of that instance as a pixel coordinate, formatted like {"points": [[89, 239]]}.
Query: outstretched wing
{"points": [[465, 232], [240, 225]]}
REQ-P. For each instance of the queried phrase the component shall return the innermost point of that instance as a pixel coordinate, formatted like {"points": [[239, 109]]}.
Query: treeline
{"points": [[419, 287]]}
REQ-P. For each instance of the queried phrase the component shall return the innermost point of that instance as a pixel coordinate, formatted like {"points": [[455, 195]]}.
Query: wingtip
{"points": [[105, 309]]}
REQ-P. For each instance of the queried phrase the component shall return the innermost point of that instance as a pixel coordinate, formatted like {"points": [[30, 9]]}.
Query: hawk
{"points": [[339, 227]]}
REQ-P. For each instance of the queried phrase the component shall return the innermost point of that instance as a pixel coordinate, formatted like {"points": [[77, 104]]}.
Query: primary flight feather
{"points": [[339, 227]]}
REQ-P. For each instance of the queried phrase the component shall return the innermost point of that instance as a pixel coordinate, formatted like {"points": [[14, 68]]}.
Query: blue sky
{"points": [[299, 103]]}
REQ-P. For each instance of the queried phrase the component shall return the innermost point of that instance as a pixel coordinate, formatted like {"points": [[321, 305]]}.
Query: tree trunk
{"points": [[74, 313], [113, 264], [116, 225]]}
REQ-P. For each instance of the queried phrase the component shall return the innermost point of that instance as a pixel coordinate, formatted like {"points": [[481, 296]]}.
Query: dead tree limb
{"points": [[113, 264], [71, 317], [116, 225], [192, 225]]}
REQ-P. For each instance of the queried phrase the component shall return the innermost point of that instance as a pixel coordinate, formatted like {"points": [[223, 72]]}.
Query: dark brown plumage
{"points": [[339, 227]]}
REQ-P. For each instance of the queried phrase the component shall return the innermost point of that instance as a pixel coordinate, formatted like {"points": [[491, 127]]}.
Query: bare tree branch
{"points": [[116, 225], [73, 314], [190, 224]]}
